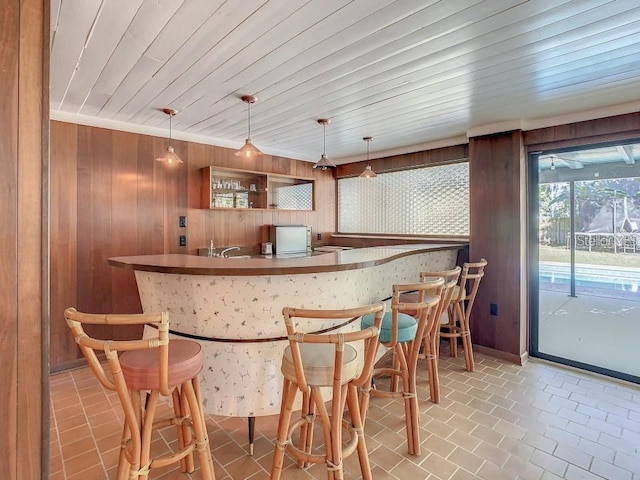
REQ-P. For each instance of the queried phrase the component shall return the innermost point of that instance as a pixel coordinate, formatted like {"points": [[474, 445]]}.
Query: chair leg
{"points": [[288, 396], [134, 416], [453, 340], [333, 451], [412, 365], [358, 426], [184, 412], [410, 401], [123, 464], [432, 368], [337, 414], [177, 411], [196, 389], [466, 343], [147, 431], [306, 429], [200, 429], [364, 397]]}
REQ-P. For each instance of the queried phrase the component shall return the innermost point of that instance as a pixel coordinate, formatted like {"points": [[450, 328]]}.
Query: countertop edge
{"points": [[329, 262]]}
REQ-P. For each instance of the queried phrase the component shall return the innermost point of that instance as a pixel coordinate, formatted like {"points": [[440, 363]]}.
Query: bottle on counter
{"points": [[212, 250]]}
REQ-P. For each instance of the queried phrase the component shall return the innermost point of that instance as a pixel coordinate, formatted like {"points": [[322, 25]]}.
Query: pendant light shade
{"points": [[368, 172], [248, 150], [169, 156], [324, 163]]}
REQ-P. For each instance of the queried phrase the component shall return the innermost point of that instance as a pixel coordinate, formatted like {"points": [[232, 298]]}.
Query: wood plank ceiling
{"points": [[405, 72]]}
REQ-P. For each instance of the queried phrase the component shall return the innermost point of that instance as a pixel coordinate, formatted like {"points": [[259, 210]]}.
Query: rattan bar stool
{"points": [[311, 362], [455, 324], [403, 333], [140, 371], [431, 336]]}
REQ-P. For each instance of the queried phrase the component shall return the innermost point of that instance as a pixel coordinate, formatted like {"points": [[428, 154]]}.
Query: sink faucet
{"points": [[223, 253]]}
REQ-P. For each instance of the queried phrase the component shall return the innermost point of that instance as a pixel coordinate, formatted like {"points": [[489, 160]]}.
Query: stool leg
{"points": [[134, 417], [364, 399], [147, 431], [200, 430], [123, 464], [412, 365], [198, 393], [453, 340], [410, 401], [466, 342], [432, 366], [288, 396], [177, 411], [333, 451], [184, 412], [358, 426], [306, 429]]}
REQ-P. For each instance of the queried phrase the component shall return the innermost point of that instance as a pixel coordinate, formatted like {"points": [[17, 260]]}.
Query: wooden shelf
{"points": [[228, 188]]}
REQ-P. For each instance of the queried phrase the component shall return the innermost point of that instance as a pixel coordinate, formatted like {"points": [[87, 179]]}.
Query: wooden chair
{"points": [[313, 361], [403, 333], [140, 371], [456, 324]]}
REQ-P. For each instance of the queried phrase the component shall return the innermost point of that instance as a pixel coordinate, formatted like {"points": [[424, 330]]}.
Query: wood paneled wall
{"points": [[437, 156], [498, 216], [588, 132], [23, 239], [109, 197]]}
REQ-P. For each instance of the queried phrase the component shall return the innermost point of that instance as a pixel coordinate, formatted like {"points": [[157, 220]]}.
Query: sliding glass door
{"points": [[585, 244]]}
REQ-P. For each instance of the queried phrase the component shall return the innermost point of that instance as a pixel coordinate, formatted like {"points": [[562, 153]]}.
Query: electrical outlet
{"points": [[182, 221], [493, 309], [319, 236], [183, 240]]}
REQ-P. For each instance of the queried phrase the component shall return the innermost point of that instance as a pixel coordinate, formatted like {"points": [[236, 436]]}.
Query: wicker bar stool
{"points": [[140, 371], [431, 336], [403, 333], [311, 362], [456, 323]]}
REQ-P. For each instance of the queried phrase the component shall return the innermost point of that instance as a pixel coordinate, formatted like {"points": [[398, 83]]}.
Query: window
{"points": [[422, 201]]}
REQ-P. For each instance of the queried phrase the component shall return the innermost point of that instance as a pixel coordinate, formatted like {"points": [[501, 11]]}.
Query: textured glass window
{"points": [[295, 197], [423, 201]]}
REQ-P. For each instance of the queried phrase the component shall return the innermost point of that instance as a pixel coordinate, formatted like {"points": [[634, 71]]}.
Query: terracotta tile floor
{"points": [[500, 422]]}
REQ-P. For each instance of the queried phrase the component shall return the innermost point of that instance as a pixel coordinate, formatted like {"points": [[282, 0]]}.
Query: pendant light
{"points": [[324, 163], [248, 150], [553, 165], [368, 172], [169, 156]]}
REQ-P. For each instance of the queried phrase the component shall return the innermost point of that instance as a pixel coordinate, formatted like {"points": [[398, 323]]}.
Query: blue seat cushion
{"points": [[407, 327]]}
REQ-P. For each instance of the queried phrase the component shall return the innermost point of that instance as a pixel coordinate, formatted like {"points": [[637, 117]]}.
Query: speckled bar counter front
{"points": [[234, 308]]}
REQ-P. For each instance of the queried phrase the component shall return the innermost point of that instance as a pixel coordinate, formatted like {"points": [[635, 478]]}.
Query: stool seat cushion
{"points": [[407, 327], [141, 368], [318, 361]]}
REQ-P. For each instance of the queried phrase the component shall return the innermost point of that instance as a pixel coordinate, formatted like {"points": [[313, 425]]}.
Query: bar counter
{"points": [[233, 307]]}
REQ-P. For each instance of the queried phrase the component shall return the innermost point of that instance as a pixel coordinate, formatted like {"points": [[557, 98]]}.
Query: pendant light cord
{"points": [[170, 124], [324, 139], [248, 119]]}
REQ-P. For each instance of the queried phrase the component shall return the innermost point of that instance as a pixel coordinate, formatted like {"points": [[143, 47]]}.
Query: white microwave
{"points": [[290, 239]]}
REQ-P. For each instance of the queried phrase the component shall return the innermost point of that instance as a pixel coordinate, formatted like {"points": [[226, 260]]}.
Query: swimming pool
{"points": [[591, 279]]}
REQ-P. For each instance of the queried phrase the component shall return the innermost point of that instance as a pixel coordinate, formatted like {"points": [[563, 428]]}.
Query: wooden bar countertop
{"points": [[275, 265]]}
